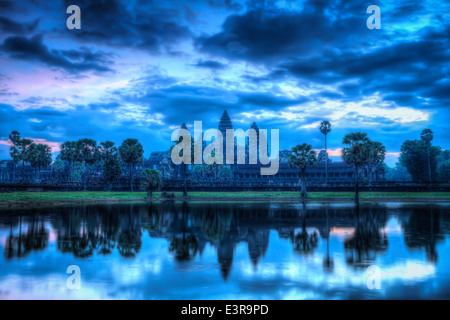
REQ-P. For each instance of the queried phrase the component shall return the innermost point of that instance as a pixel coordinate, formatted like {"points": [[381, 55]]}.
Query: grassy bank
{"points": [[28, 198]]}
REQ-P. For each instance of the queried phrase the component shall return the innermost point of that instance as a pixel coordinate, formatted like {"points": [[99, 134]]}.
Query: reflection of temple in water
{"points": [[102, 230]]}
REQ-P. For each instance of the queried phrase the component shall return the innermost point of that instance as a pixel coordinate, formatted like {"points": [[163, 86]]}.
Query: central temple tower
{"points": [[224, 124]]}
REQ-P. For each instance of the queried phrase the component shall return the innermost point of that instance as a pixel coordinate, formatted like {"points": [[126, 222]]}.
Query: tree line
{"points": [[84, 156], [419, 159], [359, 151]]}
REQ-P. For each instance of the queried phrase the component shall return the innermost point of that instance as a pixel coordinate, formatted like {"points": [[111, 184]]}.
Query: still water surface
{"points": [[226, 251]]}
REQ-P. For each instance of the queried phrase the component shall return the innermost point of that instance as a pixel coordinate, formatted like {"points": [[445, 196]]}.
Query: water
{"points": [[227, 251]]}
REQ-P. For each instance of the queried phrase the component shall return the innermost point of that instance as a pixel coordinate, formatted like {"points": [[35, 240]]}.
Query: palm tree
{"points": [[58, 167], [131, 151], [357, 154], [302, 156], [325, 128], [24, 148], [107, 149], [69, 152], [111, 169], [88, 155], [14, 136], [304, 242], [40, 156], [427, 136], [376, 157]]}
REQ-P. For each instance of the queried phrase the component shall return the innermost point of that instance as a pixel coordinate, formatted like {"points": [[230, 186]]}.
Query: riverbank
{"points": [[17, 199]]}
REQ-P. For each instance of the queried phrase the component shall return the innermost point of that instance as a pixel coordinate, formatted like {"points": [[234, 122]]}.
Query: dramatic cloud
{"points": [[10, 26], [266, 35], [210, 64], [141, 68], [69, 60], [145, 25]]}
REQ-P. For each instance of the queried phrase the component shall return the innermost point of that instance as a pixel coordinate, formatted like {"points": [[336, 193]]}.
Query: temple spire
{"points": [[225, 122]]}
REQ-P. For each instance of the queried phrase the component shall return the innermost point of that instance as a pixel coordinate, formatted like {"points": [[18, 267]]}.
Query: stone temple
{"points": [[249, 174]]}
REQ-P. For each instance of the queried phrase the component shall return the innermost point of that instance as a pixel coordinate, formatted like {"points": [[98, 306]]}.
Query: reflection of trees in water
{"points": [[109, 229], [328, 262], [186, 246], [154, 218], [362, 247], [422, 230], [86, 230], [213, 222], [130, 234], [35, 238], [304, 242], [77, 232]]}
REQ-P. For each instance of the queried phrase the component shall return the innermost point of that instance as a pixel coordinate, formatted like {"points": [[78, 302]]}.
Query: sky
{"points": [[141, 68]]}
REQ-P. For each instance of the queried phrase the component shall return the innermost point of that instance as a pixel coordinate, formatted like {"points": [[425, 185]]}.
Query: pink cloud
{"points": [[332, 153], [6, 142], [56, 146], [395, 154]]}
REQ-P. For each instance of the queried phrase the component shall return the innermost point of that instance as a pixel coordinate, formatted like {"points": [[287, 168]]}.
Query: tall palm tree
{"points": [[325, 128], [24, 145], [14, 137], [109, 158], [107, 150], [69, 152], [357, 154], [427, 136], [88, 155], [376, 158], [131, 151], [302, 156], [40, 156]]}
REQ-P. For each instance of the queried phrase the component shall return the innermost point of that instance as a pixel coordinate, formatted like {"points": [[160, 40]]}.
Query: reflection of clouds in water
{"points": [[342, 233], [295, 294], [311, 271], [51, 287], [135, 272], [408, 271], [392, 227]]}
